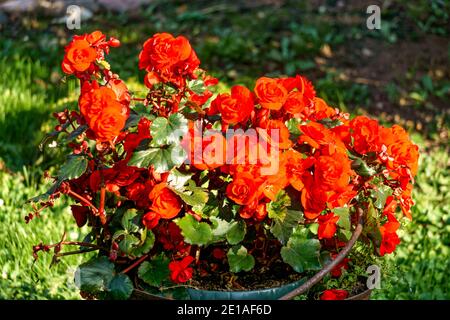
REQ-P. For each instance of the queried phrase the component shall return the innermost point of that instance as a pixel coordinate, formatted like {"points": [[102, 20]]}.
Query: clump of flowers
{"points": [[188, 182]]}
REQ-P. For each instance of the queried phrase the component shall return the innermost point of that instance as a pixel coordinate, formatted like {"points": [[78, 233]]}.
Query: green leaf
{"points": [[46, 196], [146, 244], [240, 260], [95, 275], [133, 241], [301, 253], [195, 198], [154, 272], [197, 86], [118, 234], [217, 125], [104, 64], [325, 258], [344, 217], [211, 208], [237, 232], [427, 83], [372, 226], [282, 229], [138, 112], [74, 167], [420, 97], [328, 123], [127, 243], [193, 195], [277, 209], [380, 195], [76, 133], [293, 126], [228, 210], [130, 220], [344, 235], [219, 227], [178, 180], [194, 232], [168, 130], [120, 287], [162, 159], [361, 168], [313, 228], [200, 210]]}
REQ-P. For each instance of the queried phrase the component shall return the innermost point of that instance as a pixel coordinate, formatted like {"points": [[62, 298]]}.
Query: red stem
{"points": [[101, 211], [62, 254], [77, 243], [83, 199], [155, 105], [135, 264], [70, 119]]}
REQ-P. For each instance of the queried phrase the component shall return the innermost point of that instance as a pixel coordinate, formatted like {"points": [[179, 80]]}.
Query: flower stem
{"points": [[83, 199], [135, 264], [78, 243], [197, 255], [75, 252], [101, 211]]}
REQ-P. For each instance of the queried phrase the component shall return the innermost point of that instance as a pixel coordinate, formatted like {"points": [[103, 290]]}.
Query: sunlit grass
{"points": [[420, 267], [20, 279]]}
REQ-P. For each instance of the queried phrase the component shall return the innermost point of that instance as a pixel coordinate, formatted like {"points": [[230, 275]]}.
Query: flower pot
{"points": [[199, 294], [262, 294], [365, 295]]}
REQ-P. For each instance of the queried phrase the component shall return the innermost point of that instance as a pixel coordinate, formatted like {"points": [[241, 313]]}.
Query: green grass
{"points": [[236, 46], [420, 268], [20, 279], [27, 100], [22, 110], [26, 104]]}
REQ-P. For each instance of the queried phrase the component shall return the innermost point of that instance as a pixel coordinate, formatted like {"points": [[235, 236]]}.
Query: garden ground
{"points": [[399, 74]]}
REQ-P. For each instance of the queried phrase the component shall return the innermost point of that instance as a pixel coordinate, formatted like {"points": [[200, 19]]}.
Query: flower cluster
{"points": [[84, 51], [105, 108], [168, 59], [189, 181]]}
